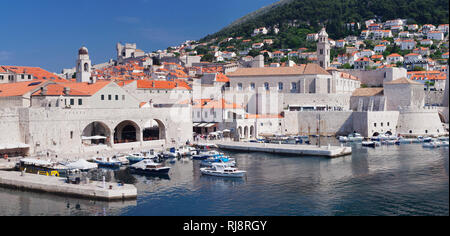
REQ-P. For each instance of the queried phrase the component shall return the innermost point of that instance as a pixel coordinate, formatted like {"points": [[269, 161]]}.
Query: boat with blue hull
{"points": [[108, 162], [225, 160], [137, 157], [206, 155]]}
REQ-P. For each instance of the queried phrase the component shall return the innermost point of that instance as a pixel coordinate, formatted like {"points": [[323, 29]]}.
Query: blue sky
{"points": [[48, 33]]}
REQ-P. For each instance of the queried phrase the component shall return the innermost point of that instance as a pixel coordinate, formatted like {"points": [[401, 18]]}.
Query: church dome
{"points": [[83, 51]]}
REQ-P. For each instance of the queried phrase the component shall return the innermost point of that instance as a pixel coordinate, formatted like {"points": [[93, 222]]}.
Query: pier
{"points": [[288, 149], [92, 190]]}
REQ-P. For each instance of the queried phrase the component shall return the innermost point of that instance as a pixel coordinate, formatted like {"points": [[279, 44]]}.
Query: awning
{"points": [[13, 146], [203, 125], [210, 125], [93, 137]]}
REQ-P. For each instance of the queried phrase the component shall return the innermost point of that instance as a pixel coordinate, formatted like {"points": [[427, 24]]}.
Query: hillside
{"points": [[312, 14]]}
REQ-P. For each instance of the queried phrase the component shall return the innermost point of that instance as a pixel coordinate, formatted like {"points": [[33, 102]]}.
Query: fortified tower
{"points": [[83, 66], [323, 50]]}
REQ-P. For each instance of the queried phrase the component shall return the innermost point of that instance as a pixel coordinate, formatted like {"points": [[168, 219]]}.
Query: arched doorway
{"points": [[388, 133], [154, 130], [127, 132], [96, 133], [252, 131], [240, 131], [376, 134], [246, 132]]}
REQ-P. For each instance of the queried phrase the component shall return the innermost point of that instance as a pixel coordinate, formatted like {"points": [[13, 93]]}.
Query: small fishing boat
{"points": [[42, 167], [222, 170], [187, 151], [406, 140], [390, 142], [107, 162], [355, 137], [206, 155], [149, 167], [432, 144], [368, 144], [122, 158], [225, 160], [136, 157], [343, 139]]}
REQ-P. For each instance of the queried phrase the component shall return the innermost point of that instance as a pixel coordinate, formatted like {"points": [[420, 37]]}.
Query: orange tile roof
{"points": [[222, 78], [76, 89], [162, 84], [19, 88], [263, 116], [215, 104], [368, 92], [38, 73], [403, 80], [274, 71], [394, 55]]}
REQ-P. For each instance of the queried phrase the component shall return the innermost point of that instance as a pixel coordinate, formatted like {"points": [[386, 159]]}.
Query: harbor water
{"points": [[387, 180]]}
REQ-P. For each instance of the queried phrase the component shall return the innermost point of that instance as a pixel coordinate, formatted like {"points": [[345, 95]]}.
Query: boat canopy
{"points": [[93, 137], [82, 165]]}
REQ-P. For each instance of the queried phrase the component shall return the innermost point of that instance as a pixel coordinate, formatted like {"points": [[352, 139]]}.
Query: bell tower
{"points": [[83, 66], [323, 50]]}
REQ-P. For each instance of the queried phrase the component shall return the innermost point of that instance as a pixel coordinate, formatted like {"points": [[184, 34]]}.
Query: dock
{"points": [[92, 190], [288, 149]]}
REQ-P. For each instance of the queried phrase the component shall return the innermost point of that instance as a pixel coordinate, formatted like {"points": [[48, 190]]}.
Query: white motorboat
{"points": [[406, 140], [355, 137], [148, 166], [343, 139], [444, 144], [122, 158], [223, 170], [432, 144], [187, 151]]}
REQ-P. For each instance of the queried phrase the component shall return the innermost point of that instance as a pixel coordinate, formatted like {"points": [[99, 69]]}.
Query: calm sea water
{"points": [[389, 180]]}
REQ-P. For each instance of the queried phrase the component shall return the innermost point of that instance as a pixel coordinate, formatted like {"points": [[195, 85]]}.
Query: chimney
{"points": [[66, 90], [44, 91]]}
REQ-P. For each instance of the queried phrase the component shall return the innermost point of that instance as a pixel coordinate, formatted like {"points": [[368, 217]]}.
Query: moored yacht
{"points": [[206, 155], [225, 160], [107, 162], [150, 167], [222, 170]]}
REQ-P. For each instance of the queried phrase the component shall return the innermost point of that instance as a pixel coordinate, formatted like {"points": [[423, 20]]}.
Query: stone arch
{"points": [[252, 131], [127, 132], [94, 129], [240, 131], [376, 134], [154, 130], [246, 132], [86, 67], [389, 133]]}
